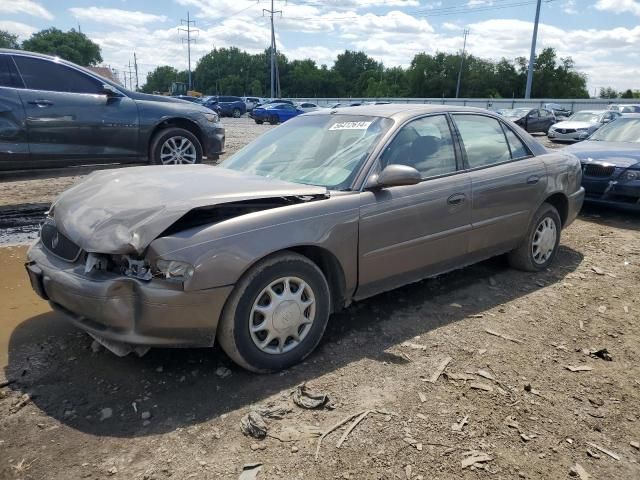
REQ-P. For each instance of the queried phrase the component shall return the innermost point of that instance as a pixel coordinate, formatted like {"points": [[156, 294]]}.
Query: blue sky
{"points": [[602, 36]]}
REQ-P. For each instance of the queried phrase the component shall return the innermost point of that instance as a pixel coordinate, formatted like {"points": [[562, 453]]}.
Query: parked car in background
{"points": [[252, 102], [533, 120], [329, 208], [558, 110], [580, 125], [268, 103], [275, 113], [308, 107], [54, 113], [611, 163], [624, 108], [226, 106]]}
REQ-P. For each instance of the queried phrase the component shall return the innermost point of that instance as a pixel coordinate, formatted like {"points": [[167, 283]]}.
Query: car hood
{"points": [[123, 211], [514, 118], [620, 154], [574, 125]]}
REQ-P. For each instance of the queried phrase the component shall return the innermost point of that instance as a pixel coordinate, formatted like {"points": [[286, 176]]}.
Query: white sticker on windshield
{"points": [[350, 126]]}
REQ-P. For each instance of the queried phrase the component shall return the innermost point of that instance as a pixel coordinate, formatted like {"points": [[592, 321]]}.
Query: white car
{"points": [[308, 107], [624, 108], [580, 125], [252, 102]]}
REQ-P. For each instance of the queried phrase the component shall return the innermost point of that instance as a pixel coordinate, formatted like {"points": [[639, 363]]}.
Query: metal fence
{"points": [[489, 103]]}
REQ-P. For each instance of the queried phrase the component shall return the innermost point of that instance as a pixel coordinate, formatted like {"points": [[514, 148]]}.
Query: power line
{"points": [[188, 22]]}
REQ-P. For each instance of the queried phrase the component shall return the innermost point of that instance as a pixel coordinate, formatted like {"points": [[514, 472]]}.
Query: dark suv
{"points": [[226, 106], [54, 113]]}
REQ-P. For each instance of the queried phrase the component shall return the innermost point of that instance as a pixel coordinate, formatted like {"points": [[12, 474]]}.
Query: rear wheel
{"points": [[175, 146], [540, 246], [276, 315], [274, 120], [237, 113]]}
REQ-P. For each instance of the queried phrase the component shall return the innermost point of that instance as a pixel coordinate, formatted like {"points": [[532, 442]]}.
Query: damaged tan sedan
{"points": [[331, 207]]}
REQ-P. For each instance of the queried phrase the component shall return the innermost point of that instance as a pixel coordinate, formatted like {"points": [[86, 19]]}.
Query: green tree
{"points": [[608, 92], [72, 45], [161, 78], [8, 40]]}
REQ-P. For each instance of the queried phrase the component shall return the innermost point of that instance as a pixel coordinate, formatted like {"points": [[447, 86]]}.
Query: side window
{"points": [[483, 139], [534, 114], [518, 149], [424, 144], [39, 74], [8, 75]]}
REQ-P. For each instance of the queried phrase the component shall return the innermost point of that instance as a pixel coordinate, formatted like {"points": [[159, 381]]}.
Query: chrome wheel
{"points": [[282, 315], [177, 150], [544, 240]]}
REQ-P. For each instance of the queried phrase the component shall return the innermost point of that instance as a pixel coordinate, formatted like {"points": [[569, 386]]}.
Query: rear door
{"points": [[14, 148], [507, 183], [70, 119], [410, 232]]}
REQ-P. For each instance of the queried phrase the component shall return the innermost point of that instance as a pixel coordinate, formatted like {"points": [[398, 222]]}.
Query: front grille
{"points": [[598, 171], [58, 244], [567, 130]]}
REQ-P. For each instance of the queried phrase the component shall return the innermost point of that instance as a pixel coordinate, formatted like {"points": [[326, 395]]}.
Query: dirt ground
{"points": [[507, 405]]}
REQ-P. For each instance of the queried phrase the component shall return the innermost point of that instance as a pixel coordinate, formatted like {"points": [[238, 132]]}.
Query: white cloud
{"points": [[28, 7], [22, 30], [619, 6], [569, 7], [115, 16]]}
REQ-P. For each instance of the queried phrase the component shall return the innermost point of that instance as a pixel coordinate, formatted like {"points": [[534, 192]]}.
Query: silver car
{"points": [[333, 206], [580, 125]]}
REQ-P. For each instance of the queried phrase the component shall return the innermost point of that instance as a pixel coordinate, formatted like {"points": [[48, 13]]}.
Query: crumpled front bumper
{"points": [[123, 309]]}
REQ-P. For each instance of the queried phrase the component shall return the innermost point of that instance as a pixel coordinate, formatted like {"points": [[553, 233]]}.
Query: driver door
{"points": [[410, 232]]}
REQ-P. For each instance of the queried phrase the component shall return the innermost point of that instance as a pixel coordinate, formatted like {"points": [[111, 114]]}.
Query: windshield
{"points": [[585, 117], [622, 130], [323, 150]]}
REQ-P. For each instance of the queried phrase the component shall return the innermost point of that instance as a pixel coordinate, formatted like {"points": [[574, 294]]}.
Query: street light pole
{"points": [[532, 56], [464, 46]]}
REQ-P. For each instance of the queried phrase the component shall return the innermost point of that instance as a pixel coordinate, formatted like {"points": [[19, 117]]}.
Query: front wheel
{"points": [[175, 146], [276, 315], [259, 122], [540, 245], [274, 120]]}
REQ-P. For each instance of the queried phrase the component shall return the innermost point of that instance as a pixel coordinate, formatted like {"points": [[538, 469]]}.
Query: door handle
{"points": [[41, 103], [533, 179], [456, 199]]}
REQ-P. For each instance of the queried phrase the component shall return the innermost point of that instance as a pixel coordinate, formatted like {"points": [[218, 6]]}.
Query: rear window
{"points": [[8, 74]]}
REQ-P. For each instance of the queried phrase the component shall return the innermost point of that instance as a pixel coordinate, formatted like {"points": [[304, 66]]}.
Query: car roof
{"points": [[397, 111], [595, 112]]}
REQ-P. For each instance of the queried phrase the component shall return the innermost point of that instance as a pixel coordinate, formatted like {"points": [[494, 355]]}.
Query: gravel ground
{"points": [[528, 392]]}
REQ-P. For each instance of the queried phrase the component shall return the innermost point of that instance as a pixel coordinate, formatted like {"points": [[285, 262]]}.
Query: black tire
{"points": [[233, 329], [259, 122], [236, 113], [274, 120], [163, 135], [522, 257]]}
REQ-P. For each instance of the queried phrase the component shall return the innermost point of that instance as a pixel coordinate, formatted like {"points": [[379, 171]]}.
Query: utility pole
{"points": [[135, 64], [275, 79], [532, 56], [188, 22], [130, 77], [464, 46]]}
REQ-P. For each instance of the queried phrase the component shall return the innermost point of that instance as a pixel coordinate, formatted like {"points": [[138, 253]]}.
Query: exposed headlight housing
{"points": [[582, 129], [173, 269], [631, 175], [211, 117]]}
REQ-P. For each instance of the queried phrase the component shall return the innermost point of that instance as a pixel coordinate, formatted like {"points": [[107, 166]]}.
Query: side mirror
{"points": [[395, 176], [110, 91]]}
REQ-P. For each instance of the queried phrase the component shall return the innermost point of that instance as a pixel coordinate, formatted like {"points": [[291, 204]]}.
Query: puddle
{"points": [[18, 302]]}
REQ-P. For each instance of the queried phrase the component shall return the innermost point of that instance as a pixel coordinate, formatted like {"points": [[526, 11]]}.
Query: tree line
{"points": [[231, 71]]}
